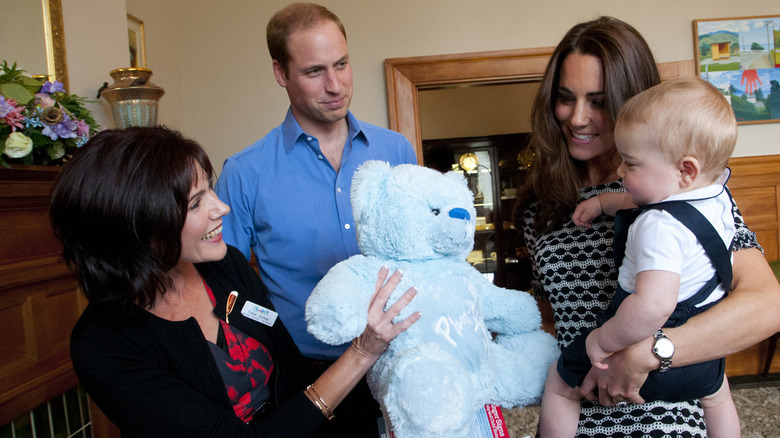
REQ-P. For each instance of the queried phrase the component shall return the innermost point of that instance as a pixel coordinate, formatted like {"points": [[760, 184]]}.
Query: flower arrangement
{"points": [[40, 123]]}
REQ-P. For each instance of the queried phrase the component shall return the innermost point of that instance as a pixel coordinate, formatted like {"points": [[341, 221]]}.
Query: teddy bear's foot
{"points": [[521, 367], [430, 395]]}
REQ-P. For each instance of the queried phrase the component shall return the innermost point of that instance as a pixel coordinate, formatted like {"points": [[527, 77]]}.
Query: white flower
{"points": [[18, 145]]}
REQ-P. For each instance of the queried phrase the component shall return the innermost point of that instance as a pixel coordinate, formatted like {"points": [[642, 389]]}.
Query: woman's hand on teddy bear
{"points": [[380, 328]]}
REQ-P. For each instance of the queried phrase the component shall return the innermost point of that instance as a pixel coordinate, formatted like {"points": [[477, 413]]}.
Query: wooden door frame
{"points": [[406, 77]]}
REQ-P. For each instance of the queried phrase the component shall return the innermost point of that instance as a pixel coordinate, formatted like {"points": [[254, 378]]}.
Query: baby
{"points": [[675, 140]]}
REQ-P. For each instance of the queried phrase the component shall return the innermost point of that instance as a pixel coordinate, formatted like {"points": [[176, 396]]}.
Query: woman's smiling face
{"points": [[201, 236], [581, 108]]}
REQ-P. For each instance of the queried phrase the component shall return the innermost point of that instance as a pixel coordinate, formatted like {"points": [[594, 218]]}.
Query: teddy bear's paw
{"points": [[430, 395], [334, 325], [520, 367], [510, 311]]}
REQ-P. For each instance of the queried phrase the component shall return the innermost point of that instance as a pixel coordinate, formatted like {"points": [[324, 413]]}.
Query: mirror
{"points": [[405, 77], [38, 35]]}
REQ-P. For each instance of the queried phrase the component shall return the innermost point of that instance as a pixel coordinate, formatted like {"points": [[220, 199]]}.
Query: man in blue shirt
{"points": [[289, 193]]}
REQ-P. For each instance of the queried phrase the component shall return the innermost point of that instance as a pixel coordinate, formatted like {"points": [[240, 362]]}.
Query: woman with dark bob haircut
{"points": [[180, 338]]}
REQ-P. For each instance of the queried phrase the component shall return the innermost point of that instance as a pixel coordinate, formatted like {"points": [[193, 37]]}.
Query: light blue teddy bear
{"points": [[475, 344]]}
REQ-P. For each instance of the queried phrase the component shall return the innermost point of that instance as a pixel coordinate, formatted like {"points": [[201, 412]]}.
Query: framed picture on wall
{"points": [[741, 57], [136, 42]]}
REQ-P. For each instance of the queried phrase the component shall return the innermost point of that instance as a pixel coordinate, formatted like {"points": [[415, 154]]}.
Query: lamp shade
{"points": [[468, 161]]}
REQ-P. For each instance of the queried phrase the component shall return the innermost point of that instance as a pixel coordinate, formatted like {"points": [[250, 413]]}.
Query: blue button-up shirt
{"points": [[292, 208]]}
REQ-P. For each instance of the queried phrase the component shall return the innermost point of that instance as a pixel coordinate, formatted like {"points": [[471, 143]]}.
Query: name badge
{"points": [[259, 313]]}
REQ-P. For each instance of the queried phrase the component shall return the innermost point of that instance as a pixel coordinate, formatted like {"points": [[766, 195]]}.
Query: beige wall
{"points": [[212, 60], [95, 44]]}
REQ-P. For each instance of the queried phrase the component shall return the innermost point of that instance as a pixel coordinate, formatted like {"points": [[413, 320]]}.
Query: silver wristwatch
{"points": [[663, 349]]}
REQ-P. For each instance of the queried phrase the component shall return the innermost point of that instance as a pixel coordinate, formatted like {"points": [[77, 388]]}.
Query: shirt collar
{"points": [[292, 131], [705, 192]]}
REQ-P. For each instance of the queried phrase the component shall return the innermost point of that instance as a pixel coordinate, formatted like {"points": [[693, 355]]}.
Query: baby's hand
{"points": [[596, 354], [586, 211]]}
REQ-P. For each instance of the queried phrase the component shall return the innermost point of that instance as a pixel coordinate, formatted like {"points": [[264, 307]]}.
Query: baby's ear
{"points": [[690, 170]]}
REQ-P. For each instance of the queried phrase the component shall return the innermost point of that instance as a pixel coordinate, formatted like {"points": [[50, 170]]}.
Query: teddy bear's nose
{"points": [[460, 213]]}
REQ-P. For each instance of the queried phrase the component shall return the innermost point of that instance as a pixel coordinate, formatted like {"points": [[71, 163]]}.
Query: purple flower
{"points": [[82, 129], [6, 107], [65, 129], [51, 88]]}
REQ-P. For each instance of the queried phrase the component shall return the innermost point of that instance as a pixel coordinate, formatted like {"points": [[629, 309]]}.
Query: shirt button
{"points": [[338, 189], [346, 226], [320, 157], [308, 138]]}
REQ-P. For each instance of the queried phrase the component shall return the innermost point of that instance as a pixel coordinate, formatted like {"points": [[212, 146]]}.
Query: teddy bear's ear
{"points": [[457, 177], [368, 183]]}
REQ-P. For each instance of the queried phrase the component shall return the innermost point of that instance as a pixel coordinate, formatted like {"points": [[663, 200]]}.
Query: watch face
{"points": [[664, 348]]}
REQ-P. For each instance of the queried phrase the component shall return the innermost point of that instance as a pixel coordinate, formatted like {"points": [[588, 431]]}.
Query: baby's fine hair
{"points": [[685, 116]]}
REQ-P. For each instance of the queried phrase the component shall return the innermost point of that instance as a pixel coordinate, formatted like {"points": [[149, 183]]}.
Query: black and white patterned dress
{"points": [[574, 269]]}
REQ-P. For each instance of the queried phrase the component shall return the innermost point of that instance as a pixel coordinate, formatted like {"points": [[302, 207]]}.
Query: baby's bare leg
{"points": [[560, 412], [720, 414]]}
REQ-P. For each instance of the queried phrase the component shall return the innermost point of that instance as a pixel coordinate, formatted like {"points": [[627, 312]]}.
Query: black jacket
{"points": [[157, 378]]}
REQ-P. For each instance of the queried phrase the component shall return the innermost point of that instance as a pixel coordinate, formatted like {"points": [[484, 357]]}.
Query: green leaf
{"points": [[33, 85], [56, 150], [75, 104], [12, 90], [9, 73], [39, 139]]}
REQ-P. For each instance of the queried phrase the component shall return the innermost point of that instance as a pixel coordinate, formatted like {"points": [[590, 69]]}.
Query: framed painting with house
{"points": [[741, 57]]}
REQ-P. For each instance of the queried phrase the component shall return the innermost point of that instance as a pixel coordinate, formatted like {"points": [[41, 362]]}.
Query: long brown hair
{"points": [[628, 69]]}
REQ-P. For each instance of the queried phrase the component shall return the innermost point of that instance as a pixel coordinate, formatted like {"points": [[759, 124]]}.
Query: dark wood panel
{"points": [[39, 299], [755, 185]]}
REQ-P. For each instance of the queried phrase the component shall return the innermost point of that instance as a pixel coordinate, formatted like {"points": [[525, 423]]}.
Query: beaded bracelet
{"points": [[319, 402]]}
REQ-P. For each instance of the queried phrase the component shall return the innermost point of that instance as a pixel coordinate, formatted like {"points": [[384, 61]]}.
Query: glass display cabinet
{"points": [[495, 167]]}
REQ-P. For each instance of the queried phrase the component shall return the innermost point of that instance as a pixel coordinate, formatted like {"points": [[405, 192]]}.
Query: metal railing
{"points": [[66, 416]]}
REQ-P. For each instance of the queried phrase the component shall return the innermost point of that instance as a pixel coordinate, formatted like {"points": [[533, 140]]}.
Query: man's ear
{"points": [[281, 77], [690, 169]]}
